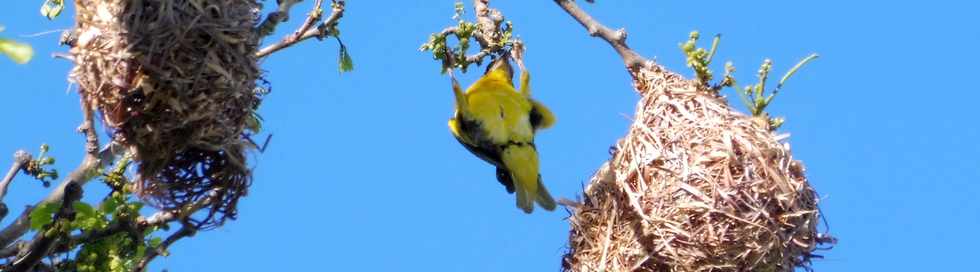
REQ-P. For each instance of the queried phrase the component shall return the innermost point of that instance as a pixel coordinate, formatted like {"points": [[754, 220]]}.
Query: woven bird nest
{"points": [[694, 186], [174, 81]]}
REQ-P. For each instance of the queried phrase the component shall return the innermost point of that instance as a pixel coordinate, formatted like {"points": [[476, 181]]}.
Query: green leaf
{"points": [[83, 210], [155, 242], [52, 8], [793, 70], [110, 205], [254, 122], [42, 215], [134, 206], [116, 264], [346, 63], [19, 52], [140, 252], [86, 217]]}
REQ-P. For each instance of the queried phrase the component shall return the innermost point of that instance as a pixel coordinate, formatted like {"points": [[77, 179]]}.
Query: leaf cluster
{"points": [[40, 168], [455, 57], [104, 249], [755, 97]]}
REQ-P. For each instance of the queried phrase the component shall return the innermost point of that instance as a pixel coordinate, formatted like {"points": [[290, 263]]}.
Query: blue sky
{"points": [[362, 174]]}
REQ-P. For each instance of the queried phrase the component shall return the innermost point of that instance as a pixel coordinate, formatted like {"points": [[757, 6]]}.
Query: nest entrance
{"points": [[174, 81], [694, 186]]}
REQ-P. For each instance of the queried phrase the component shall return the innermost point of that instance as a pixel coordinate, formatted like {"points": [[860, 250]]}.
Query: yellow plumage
{"points": [[497, 123]]}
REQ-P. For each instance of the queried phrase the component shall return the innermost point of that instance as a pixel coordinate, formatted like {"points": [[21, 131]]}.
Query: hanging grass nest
{"points": [[174, 81], [694, 186]]}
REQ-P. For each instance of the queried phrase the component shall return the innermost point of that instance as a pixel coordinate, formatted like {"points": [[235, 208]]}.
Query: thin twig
{"points": [[306, 31], [182, 213], [479, 36], [139, 225], [12, 250], [617, 38], [268, 26], [88, 128], [85, 171], [185, 231], [311, 20], [165, 217]]}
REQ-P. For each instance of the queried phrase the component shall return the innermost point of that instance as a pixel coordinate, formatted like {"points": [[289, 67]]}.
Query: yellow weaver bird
{"points": [[497, 123]]}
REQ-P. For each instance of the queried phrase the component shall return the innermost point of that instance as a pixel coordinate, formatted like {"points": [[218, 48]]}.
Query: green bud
{"points": [[687, 47]]}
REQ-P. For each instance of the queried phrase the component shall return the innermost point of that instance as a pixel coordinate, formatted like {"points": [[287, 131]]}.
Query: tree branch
{"points": [[479, 36], [21, 158], [85, 171], [45, 240], [12, 249], [274, 18], [163, 217], [139, 225], [488, 21], [617, 38], [306, 31]]}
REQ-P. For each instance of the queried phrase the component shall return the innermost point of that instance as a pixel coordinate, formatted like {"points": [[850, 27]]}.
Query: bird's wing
{"points": [[460, 128], [540, 116], [464, 131]]}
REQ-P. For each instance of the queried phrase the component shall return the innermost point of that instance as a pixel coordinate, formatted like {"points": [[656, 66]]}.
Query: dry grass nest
{"points": [[174, 81], [694, 186]]}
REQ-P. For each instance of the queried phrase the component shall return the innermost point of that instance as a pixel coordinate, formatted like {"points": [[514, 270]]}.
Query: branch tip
{"points": [[616, 39]]}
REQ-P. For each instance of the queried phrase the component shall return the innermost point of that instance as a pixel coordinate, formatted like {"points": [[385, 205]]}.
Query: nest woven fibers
{"points": [[694, 186], [174, 81]]}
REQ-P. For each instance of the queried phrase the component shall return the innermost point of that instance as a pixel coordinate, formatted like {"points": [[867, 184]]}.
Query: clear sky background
{"points": [[363, 175]]}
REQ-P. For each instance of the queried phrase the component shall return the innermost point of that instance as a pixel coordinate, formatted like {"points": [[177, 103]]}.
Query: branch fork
{"points": [[306, 30]]}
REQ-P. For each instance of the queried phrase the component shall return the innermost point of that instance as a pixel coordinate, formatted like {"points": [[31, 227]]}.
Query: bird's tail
{"points": [[521, 160], [524, 201], [544, 199]]}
